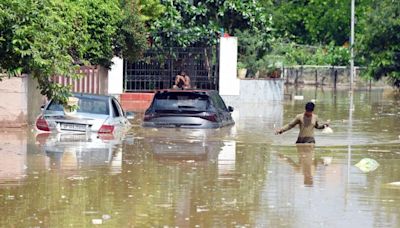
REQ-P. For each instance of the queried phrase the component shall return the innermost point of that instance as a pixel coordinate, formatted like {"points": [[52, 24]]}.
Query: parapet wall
{"points": [[257, 91], [13, 102], [328, 76], [20, 101]]}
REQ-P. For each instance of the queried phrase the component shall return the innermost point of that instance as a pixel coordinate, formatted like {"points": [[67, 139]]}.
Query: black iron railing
{"points": [[158, 68]]}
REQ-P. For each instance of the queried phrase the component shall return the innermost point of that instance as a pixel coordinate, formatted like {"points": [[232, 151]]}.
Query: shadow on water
{"points": [[241, 176]]}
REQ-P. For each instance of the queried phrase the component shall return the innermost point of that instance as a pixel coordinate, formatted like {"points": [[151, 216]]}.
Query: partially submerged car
{"points": [[95, 113], [188, 109]]}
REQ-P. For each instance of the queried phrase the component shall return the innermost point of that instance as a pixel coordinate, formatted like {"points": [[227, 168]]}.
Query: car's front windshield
{"points": [[86, 105]]}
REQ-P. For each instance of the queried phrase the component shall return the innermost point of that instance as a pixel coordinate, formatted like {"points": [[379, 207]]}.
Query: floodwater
{"points": [[241, 176]]}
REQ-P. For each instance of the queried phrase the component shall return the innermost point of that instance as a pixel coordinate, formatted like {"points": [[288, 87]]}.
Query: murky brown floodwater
{"points": [[243, 176]]}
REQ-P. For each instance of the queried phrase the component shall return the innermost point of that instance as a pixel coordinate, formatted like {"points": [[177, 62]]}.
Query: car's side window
{"points": [[119, 106], [116, 111], [53, 106], [218, 102]]}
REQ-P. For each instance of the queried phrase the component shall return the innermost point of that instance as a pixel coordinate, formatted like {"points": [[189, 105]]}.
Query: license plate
{"points": [[73, 137], [73, 127]]}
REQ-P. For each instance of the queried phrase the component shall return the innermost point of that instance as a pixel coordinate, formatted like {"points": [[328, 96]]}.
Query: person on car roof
{"points": [[182, 81]]}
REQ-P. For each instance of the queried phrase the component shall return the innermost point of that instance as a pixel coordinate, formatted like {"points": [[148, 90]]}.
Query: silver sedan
{"points": [[95, 113]]}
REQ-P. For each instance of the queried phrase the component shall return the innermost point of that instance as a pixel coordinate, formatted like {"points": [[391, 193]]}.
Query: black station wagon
{"points": [[188, 109]]}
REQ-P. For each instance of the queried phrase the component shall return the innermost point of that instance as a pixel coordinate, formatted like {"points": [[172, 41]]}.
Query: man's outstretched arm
{"points": [[288, 126]]}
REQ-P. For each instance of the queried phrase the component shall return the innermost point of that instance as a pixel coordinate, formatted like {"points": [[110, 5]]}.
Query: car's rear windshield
{"points": [[86, 105], [181, 101]]}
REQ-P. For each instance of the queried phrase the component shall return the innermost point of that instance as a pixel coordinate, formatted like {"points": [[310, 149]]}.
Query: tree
{"points": [[312, 22], [379, 39], [150, 10], [54, 37], [187, 23], [200, 23]]}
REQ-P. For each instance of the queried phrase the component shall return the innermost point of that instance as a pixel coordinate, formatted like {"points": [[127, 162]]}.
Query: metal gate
{"points": [[90, 82], [158, 68]]}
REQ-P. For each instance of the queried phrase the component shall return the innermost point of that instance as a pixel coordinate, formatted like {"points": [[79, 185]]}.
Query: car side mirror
{"points": [[130, 115], [230, 108], [41, 107]]}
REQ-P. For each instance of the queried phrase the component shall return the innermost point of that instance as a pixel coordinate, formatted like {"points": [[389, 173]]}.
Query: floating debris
{"points": [[164, 205], [202, 209], [233, 202], [97, 221], [367, 165], [90, 212], [326, 160], [327, 130], [106, 217], [76, 177]]}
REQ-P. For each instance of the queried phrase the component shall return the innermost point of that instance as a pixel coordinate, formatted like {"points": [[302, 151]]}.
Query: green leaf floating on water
{"points": [[367, 165]]}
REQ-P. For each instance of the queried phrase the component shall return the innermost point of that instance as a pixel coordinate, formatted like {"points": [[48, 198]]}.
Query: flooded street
{"points": [[240, 176]]}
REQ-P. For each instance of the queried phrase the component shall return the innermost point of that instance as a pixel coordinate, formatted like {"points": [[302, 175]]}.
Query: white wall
{"points": [[115, 77], [229, 84], [258, 98]]}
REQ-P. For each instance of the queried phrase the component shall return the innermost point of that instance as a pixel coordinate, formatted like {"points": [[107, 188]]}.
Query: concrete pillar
{"points": [[116, 76], [229, 84]]}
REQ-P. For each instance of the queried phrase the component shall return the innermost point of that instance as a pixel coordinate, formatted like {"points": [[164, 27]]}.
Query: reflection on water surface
{"points": [[242, 176]]}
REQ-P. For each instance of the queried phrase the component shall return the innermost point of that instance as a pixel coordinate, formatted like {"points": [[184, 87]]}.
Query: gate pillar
{"points": [[229, 84], [115, 77]]}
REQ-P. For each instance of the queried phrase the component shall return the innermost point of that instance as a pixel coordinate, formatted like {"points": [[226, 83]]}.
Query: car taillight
{"points": [[41, 124], [150, 116], [211, 117], [106, 129]]}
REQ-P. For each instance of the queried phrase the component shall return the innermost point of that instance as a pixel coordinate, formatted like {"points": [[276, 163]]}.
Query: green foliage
{"points": [[54, 37], [380, 41], [255, 56], [297, 55], [130, 38], [150, 10], [251, 50], [320, 55], [294, 22], [337, 55], [185, 24], [311, 22], [328, 21]]}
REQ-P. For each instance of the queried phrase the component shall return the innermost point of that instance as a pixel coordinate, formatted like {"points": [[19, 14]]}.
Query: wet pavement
{"points": [[241, 176]]}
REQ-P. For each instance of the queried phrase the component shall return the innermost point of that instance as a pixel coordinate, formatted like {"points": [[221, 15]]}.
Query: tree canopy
{"points": [[54, 37], [197, 22], [312, 22], [379, 37]]}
